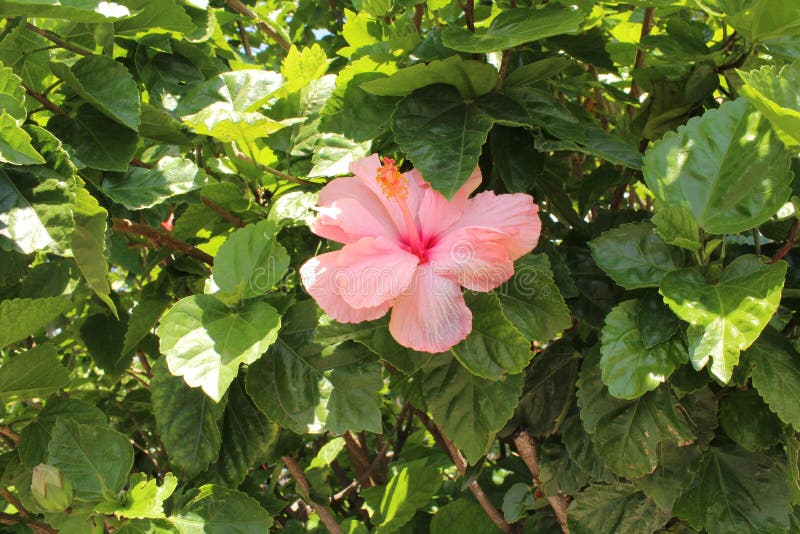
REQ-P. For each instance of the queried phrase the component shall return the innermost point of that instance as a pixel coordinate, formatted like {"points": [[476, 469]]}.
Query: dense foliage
{"points": [[163, 370]]}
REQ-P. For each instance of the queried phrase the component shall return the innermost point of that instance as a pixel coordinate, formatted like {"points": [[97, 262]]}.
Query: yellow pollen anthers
{"points": [[391, 180]]}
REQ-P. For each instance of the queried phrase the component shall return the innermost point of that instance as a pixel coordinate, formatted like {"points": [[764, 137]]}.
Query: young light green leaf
{"points": [[773, 92], [630, 369], [676, 226], [144, 500], [15, 143], [728, 168], [12, 95], [105, 84], [515, 27], [634, 255], [410, 489], [205, 341], [726, 316], [37, 372], [20, 318], [437, 115], [141, 188], [19, 222]]}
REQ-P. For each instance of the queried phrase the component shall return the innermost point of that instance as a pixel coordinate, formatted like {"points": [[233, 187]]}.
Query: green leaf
{"points": [[676, 468], [334, 153], [12, 95], [773, 93], [219, 510], [229, 93], [159, 125], [88, 248], [536, 71], [469, 409], [557, 472], [625, 433], [355, 402], [407, 491], [462, 515], [676, 226], [518, 169], [142, 319], [205, 341], [776, 374], [516, 501], [532, 302], [471, 78], [143, 188], [737, 491], [759, 20], [96, 140], [354, 112], [19, 221], [494, 347], [73, 10], [15, 143], [438, 116], [728, 168], [35, 438], [515, 27], [103, 336], [106, 85], [634, 255], [144, 500], [20, 318], [620, 508], [96, 459], [286, 385], [154, 16], [630, 369], [748, 421], [36, 372], [186, 420], [247, 437], [726, 316], [301, 68]]}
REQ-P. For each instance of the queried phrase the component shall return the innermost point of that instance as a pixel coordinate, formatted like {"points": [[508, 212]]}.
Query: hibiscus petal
{"points": [[349, 210], [514, 215], [318, 277], [477, 258], [373, 270], [431, 315]]}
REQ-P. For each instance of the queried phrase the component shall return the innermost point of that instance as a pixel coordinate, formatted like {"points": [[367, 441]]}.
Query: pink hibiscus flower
{"points": [[408, 248]]}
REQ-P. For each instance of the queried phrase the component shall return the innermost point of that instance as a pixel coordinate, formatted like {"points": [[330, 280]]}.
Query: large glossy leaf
{"points": [[532, 302], [19, 221], [471, 78], [438, 116], [614, 509], [626, 434], [469, 409], [15, 143], [96, 459], [143, 188], [186, 420], [737, 491], [728, 168], [20, 318], [12, 95], [34, 373], [676, 226], [775, 372], [515, 27], [106, 85], [219, 510], [629, 367], [205, 341], [88, 244], [759, 20], [634, 255], [773, 92], [726, 316], [74, 10]]}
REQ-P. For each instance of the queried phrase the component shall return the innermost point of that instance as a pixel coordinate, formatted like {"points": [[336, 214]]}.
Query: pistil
{"points": [[395, 187]]}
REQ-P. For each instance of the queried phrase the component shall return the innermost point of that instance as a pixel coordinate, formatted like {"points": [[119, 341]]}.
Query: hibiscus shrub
{"points": [[380, 265]]}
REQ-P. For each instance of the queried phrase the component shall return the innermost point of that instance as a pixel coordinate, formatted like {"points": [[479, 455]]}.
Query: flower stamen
{"points": [[395, 187]]}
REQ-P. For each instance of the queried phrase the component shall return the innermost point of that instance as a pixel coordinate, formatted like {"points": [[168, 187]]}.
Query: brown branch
{"points": [[161, 238], [419, 11], [43, 100], [9, 433], [788, 244], [242, 9], [469, 14], [139, 163], [638, 62], [244, 39], [13, 501], [461, 464], [504, 63], [325, 515], [145, 364], [36, 526], [526, 447], [358, 456], [222, 212], [50, 36], [336, 13]]}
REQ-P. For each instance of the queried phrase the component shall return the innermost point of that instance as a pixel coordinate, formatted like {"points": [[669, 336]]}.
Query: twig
{"points": [[461, 464], [526, 447], [161, 238], [36, 526], [469, 14], [503, 69], [242, 9], [139, 163], [145, 364], [222, 212], [336, 13], [325, 515], [359, 457], [275, 172], [244, 39], [638, 62], [10, 434], [15, 503], [419, 11], [43, 100], [788, 244], [50, 36], [141, 380]]}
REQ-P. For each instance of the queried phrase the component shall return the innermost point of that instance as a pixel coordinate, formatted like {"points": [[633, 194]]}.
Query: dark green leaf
{"points": [[614, 509], [748, 421], [219, 510], [36, 372], [776, 374], [143, 188], [20, 318]]}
